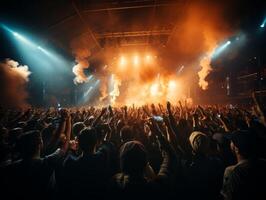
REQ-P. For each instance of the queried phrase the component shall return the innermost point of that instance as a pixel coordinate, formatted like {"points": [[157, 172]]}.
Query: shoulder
{"points": [[70, 160], [228, 170]]}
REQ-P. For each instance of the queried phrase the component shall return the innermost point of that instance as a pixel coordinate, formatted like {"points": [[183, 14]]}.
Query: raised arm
{"points": [[97, 120], [169, 165], [259, 109]]}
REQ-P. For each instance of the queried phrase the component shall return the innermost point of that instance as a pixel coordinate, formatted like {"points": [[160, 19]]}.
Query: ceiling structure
{"points": [[116, 23]]}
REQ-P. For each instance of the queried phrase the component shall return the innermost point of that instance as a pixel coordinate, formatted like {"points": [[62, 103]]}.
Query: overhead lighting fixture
{"points": [[263, 23]]}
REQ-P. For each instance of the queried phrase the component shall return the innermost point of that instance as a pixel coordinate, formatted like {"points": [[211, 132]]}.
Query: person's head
{"points": [[199, 142], [77, 127], [126, 134], [133, 158], [243, 144], [87, 140], [30, 144], [89, 121]]}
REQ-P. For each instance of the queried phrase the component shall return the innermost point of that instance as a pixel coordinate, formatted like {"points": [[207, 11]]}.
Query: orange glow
{"points": [[136, 60], [122, 61], [148, 58]]}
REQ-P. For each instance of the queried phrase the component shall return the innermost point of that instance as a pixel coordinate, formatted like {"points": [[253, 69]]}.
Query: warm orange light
{"points": [[136, 60], [148, 58], [171, 85], [122, 61], [154, 89]]}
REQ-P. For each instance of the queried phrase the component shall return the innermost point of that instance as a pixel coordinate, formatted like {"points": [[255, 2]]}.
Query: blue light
{"points": [[263, 23], [43, 59], [89, 93], [221, 49], [23, 39]]}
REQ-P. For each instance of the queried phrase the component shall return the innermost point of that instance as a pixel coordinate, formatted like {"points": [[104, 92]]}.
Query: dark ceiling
{"points": [[114, 22]]}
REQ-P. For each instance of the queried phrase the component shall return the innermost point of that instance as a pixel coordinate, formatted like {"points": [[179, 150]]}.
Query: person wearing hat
{"points": [[203, 174], [244, 180]]}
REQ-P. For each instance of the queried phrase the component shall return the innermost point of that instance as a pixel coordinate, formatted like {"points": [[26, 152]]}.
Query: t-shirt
{"points": [[204, 176], [245, 180]]}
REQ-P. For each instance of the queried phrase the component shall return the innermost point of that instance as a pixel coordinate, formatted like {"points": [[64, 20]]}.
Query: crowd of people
{"points": [[167, 151]]}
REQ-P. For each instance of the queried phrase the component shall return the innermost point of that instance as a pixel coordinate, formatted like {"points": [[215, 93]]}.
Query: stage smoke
{"points": [[82, 54], [201, 29], [201, 26], [13, 78], [115, 92]]}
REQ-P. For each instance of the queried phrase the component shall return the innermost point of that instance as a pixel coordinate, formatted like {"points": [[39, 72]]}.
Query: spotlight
{"points": [[87, 92], [221, 48], [122, 61], [154, 89], [44, 51], [263, 23], [89, 78], [136, 60], [23, 39], [148, 58], [172, 85]]}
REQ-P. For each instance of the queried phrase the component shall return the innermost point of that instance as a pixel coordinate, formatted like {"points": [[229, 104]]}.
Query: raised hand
{"points": [[168, 106], [103, 111]]}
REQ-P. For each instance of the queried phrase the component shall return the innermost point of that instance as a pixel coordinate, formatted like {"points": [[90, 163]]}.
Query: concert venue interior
{"points": [[157, 80]]}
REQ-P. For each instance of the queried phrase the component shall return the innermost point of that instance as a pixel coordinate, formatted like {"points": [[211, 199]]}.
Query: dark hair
{"points": [[87, 139], [77, 127], [245, 141], [28, 143], [126, 133], [133, 157]]}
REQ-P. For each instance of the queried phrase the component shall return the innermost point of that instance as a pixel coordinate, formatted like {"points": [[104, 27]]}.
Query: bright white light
{"points": [[16, 34], [136, 60], [23, 39], [221, 48], [122, 61], [172, 85], [154, 89], [263, 23], [148, 58], [43, 50]]}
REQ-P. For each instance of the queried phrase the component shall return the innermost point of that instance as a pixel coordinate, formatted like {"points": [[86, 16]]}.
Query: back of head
{"points": [[87, 139], [133, 158], [199, 142], [126, 133], [77, 127], [245, 141], [29, 143]]}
